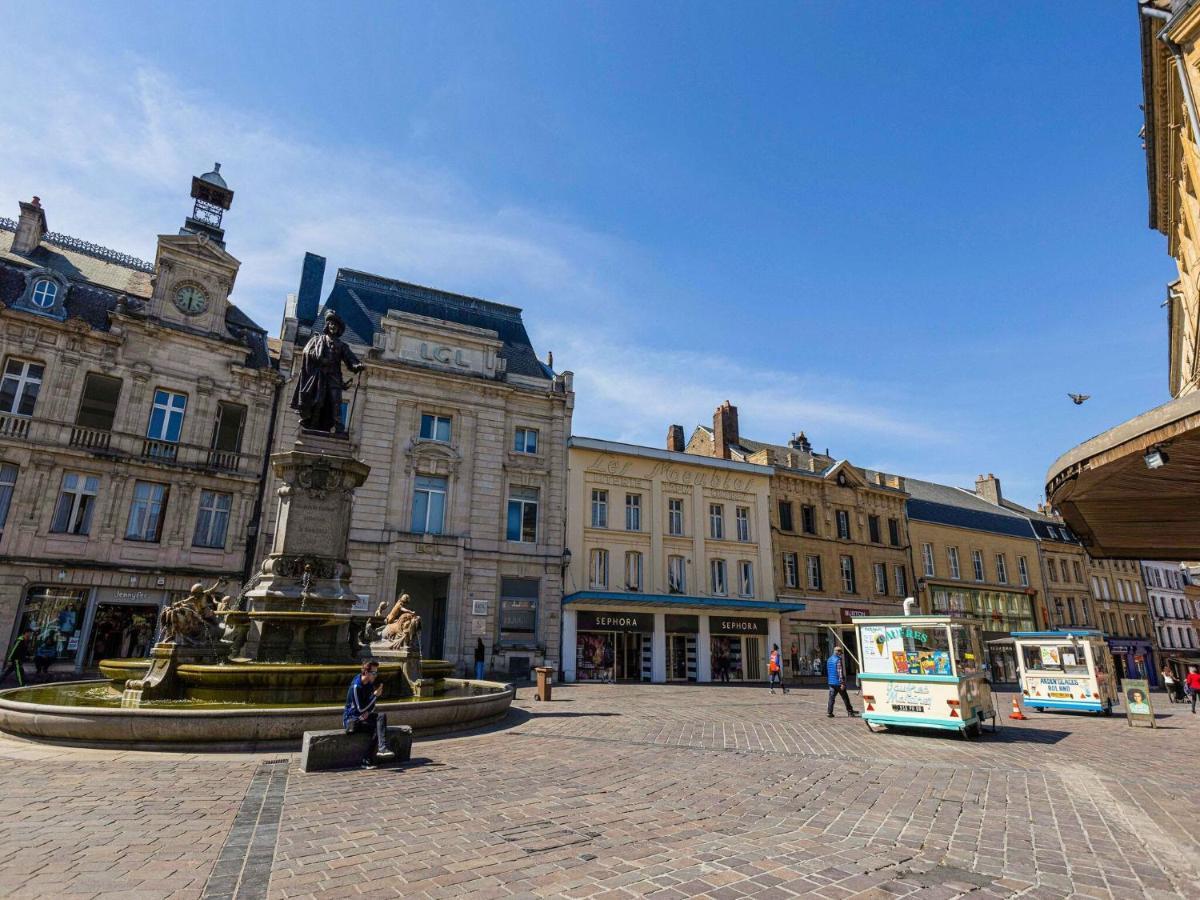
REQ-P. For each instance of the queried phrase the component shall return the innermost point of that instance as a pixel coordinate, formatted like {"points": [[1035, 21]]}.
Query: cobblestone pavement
{"points": [[623, 791]]}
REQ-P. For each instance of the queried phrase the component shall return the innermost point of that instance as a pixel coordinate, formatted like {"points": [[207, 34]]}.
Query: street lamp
{"points": [[1156, 458]]}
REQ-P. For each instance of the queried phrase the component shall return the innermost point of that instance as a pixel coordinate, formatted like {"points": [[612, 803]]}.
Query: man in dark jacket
{"points": [[835, 669], [360, 713]]}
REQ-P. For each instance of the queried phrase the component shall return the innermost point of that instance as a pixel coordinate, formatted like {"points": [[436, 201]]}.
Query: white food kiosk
{"points": [[1066, 670], [923, 672]]}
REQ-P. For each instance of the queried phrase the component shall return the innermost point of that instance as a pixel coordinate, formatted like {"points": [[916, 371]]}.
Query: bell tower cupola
{"points": [[213, 199]]}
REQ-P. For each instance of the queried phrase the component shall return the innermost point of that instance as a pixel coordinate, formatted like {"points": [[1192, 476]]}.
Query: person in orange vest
{"points": [[775, 668]]}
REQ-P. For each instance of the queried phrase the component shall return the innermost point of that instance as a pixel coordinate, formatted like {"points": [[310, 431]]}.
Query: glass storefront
{"points": [[681, 647], [736, 648], [57, 615], [121, 631], [613, 646]]}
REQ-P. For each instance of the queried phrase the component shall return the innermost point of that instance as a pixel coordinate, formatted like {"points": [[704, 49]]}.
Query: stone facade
{"points": [[1170, 608], [134, 418], [670, 566], [839, 534], [465, 432]]}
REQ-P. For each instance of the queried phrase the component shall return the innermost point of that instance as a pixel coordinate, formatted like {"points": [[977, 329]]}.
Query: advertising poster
{"points": [[1137, 702], [1049, 657]]}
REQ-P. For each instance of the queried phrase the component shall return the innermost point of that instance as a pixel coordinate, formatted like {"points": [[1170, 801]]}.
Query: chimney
{"points": [[988, 488], [725, 430], [675, 438], [308, 301], [30, 227]]}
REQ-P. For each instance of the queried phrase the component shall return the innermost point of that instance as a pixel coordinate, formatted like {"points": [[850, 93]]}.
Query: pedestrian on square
{"points": [[18, 655], [480, 655], [360, 713], [1169, 683], [1193, 686], [775, 669], [45, 655], [835, 672], [795, 654]]}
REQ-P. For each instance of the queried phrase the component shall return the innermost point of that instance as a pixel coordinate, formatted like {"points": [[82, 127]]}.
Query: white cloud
{"points": [[111, 150]]}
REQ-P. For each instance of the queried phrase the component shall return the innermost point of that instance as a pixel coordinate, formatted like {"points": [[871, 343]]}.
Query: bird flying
{"points": [[1078, 399]]}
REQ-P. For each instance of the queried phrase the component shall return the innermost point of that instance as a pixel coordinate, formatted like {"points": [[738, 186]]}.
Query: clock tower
{"points": [[194, 273]]}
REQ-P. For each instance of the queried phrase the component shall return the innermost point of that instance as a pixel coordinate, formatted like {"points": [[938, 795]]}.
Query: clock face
{"points": [[191, 300]]}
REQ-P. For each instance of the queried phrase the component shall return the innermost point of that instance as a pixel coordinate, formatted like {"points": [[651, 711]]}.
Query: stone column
{"points": [[568, 643], [658, 649], [703, 651]]}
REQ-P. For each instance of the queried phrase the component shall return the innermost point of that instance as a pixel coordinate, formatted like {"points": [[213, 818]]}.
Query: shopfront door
{"points": [[628, 657], [737, 648], [121, 631], [681, 657]]}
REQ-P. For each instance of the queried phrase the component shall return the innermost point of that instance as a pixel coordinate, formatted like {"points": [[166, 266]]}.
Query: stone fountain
{"points": [[278, 659]]}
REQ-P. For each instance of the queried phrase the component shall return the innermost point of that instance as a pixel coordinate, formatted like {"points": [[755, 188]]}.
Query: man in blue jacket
{"points": [[835, 670], [360, 713]]}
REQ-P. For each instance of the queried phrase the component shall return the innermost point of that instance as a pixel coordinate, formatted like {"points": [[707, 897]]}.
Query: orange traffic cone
{"points": [[1016, 713]]}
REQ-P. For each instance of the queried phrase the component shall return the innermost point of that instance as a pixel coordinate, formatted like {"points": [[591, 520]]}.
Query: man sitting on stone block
{"points": [[360, 713]]}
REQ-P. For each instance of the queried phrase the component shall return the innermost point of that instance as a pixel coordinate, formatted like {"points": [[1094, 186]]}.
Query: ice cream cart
{"points": [[923, 672], [1066, 670]]}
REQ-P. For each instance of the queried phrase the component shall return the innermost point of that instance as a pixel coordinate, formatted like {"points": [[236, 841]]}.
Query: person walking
{"points": [[1193, 686], [18, 656], [480, 655], [775, 669], [835, 673], [1169, 684]]}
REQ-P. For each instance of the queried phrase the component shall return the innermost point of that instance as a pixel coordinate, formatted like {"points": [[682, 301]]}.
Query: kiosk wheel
{"points": [[972, 731], [1108, 710], [874, 729]]}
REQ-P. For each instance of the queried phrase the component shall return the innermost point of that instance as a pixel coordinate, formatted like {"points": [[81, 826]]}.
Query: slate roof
{"points": [[747, 448], [363, 299], [1045, 527], [97, 285], [941, 504]]}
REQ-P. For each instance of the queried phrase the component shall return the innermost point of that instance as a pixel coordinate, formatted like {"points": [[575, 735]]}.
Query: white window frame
{"points": [[212, 520], [741, 518], [927, 560], [44, 289], [633, 512], [24, 380], [675, 516], [842, 519], [849, 576], [525, 440], [718, 577], [77, 499], [952, 561], [746, 578], [977, 564], [524, 503], [900, 579], [151, 508], [436, 420], [812, 572], [599, 508], [791, 570], [9, 473], [881, 579], [633, 570], [1023, 571], [1001, 569], [676, 575], [429, 490], [598, 568], [164, 400], [716, 521]]}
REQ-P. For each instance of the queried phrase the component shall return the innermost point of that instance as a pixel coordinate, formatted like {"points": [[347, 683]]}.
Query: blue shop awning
{"points": [[616, 598]]}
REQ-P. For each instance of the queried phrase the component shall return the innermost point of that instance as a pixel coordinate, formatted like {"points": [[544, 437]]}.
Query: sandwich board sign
{"points": [[1137, 702]]}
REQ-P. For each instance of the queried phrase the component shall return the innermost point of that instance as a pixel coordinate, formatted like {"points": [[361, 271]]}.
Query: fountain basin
{"points": [[88, 713]]}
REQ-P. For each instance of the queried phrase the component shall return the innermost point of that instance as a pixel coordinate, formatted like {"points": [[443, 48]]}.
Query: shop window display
{"points": [[56, 614]]}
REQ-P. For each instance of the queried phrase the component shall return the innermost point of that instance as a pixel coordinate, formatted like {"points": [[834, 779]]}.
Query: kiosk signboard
{"points": [[1138, 710]]}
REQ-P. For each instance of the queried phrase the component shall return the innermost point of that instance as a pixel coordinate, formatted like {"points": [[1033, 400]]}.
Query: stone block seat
{"points": [[325, 750]]}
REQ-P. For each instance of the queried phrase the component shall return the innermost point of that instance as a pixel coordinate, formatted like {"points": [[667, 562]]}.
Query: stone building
{"points": [[1116, 586], [134, 415], [1171, 612], [839, 533], [973, 556], [465, 431], [670, 566], [1132, 491]]}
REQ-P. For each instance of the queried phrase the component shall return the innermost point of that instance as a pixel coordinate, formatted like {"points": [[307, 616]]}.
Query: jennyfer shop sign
{"points": [[615, 621], [727, 625]]}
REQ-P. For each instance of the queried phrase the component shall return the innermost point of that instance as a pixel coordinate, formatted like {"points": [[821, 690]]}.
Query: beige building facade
{"points": [[1124, 616], [465, 431], [134, 414], [839, 535], [670, 574]]}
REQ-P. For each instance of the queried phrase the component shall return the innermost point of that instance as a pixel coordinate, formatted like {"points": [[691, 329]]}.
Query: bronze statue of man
{"points": [[318, 394]]}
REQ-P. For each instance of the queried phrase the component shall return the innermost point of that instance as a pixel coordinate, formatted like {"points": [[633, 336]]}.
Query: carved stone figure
{"points": [[402, 630], [318, 393], [192, 621]]}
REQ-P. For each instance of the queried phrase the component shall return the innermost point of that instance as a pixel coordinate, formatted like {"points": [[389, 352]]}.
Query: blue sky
{"points": [[906, 229]]}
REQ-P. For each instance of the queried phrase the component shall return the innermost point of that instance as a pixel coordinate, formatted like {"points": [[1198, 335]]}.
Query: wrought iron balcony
{"points": [[120, 444]]}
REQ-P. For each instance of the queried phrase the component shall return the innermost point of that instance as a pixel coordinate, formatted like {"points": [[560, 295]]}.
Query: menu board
{"points": [[901, 650], [1137, 702]]}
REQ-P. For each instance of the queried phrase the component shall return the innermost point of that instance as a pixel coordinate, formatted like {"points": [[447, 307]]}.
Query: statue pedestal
{"points": [[299, 603], [160, 681], [410, 666]]}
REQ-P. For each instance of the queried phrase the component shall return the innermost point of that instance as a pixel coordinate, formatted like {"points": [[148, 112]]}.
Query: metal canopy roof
{"points": [[615, 598]]}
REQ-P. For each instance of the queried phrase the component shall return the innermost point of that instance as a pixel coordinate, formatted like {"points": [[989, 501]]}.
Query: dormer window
{"points": [[45, 292]]}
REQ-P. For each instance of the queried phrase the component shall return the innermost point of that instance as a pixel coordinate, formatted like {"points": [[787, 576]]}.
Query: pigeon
{"points": [[1078, 399]]}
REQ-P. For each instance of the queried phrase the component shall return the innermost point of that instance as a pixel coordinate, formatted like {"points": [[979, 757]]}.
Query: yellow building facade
{"points": [[669, 572]]}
